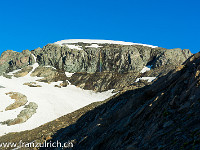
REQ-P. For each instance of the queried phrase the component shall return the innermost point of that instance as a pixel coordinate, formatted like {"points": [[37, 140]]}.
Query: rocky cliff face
{"points": [[120, 64], [115, 58], [164, 115]]}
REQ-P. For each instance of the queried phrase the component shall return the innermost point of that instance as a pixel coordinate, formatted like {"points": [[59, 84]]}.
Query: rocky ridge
{"points": [[121, 63], [115, 58]]}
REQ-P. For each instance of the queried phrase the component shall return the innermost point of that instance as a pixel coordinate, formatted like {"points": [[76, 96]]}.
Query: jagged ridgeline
{"points": [[105, 58]]}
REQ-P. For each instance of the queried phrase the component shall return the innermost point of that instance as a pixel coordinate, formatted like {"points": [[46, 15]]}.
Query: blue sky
{"points": [[28, 24]]}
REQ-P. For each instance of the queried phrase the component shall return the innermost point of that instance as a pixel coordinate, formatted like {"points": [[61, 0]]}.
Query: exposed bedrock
{"points": [[114, 58], [11, 60]]}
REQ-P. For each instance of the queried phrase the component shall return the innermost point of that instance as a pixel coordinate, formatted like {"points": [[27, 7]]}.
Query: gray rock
{"points": [[24, 115], [11, 60], [115, 58], [50, 74], [172, 57], [32, 84], [31, 105], [20, 100]]}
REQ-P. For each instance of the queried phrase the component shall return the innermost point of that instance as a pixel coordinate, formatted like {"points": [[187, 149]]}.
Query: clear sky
{"points": [[28, 24]]}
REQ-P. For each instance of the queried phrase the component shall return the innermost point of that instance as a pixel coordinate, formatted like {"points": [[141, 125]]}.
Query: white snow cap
{"points": [[70, 41]]}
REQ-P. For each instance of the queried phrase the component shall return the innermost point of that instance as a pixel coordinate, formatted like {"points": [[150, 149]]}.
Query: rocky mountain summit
{"points": [[114, 57], [114, 60], [150, 95]]}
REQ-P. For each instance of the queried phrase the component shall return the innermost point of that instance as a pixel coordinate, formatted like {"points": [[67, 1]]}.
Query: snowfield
{"points": [[95, 43], [94, 46], [52, 102]]}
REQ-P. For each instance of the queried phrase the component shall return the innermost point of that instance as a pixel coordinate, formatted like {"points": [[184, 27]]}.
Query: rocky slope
{"points": [[139, 74], [164, 115]]}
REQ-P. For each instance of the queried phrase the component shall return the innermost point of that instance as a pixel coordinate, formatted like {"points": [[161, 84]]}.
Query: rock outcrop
{"points": [[49, 74], [20, 100], [104, 81], [121, 64], [32, 84], [24, 115], [114, 58], [11, 60], [23, 72]]}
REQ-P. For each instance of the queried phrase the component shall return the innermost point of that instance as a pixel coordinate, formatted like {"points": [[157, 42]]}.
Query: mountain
{"points": [[164, 115], [99, 94]]}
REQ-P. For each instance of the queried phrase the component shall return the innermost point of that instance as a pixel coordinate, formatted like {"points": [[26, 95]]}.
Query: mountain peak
{"points": [[98, 41]]}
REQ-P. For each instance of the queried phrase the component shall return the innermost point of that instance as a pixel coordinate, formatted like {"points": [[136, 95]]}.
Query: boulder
{"points": [[24, 115], [20, 100]]}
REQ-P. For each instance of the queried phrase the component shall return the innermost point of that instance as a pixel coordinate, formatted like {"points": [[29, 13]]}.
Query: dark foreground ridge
{"points": [[164, 115]]}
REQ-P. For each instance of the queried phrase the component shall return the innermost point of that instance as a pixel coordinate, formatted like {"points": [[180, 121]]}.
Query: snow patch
{"points": [[13, 72], [50, 67], [73, 47], [34, 57], [68, 74], [145, 69], [150, 79], [94, 46]]}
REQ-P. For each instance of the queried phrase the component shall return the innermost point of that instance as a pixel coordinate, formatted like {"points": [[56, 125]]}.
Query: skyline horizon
{"points": [[32, 24], [20, 50]]}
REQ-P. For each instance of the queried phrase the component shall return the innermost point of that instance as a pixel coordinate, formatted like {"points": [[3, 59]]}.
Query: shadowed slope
{"points": [[165, 115]]}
